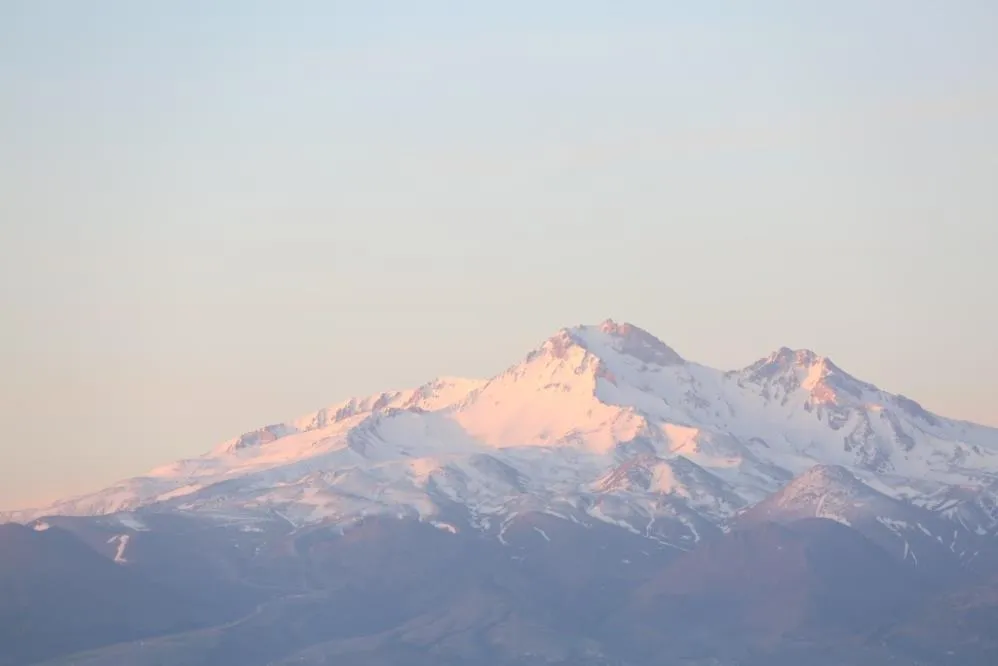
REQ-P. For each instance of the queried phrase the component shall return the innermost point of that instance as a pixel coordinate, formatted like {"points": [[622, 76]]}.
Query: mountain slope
{"points": [[762, 587], [406, 592], [403, 591], [913, 534], [59, 595]]}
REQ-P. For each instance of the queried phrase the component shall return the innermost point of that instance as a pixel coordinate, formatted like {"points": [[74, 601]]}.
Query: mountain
{"points": [[600, 423], [602, 501]]}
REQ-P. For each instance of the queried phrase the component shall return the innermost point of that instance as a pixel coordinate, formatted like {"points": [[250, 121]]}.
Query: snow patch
{"points": [[122, 542], [446, 527]]}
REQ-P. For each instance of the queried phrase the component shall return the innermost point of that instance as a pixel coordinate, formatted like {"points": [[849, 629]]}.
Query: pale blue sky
{"points": [[220, 215]]}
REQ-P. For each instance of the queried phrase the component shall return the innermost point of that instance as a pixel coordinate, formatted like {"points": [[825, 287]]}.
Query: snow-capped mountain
{"points": [[601, 423], [921, 537]]}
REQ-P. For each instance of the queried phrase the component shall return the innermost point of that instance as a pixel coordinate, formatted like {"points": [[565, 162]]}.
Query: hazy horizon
{"points": [[218, 217]]}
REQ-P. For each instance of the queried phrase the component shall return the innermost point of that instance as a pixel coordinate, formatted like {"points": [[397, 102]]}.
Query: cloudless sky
{"points": [[219, 215]]}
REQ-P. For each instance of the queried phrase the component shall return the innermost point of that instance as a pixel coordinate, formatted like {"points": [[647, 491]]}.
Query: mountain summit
{"points": [[601, 424], [787, 370], [625, 339]]}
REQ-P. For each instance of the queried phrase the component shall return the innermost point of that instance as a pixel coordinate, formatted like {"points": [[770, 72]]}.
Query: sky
{"points": [[215, 216]]}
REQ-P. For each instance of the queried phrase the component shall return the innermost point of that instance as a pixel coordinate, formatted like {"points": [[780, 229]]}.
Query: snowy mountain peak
{"points": [[605, 346], [787, 370], [610, 339], [560, 345], [785, 359], [824, 491]]}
